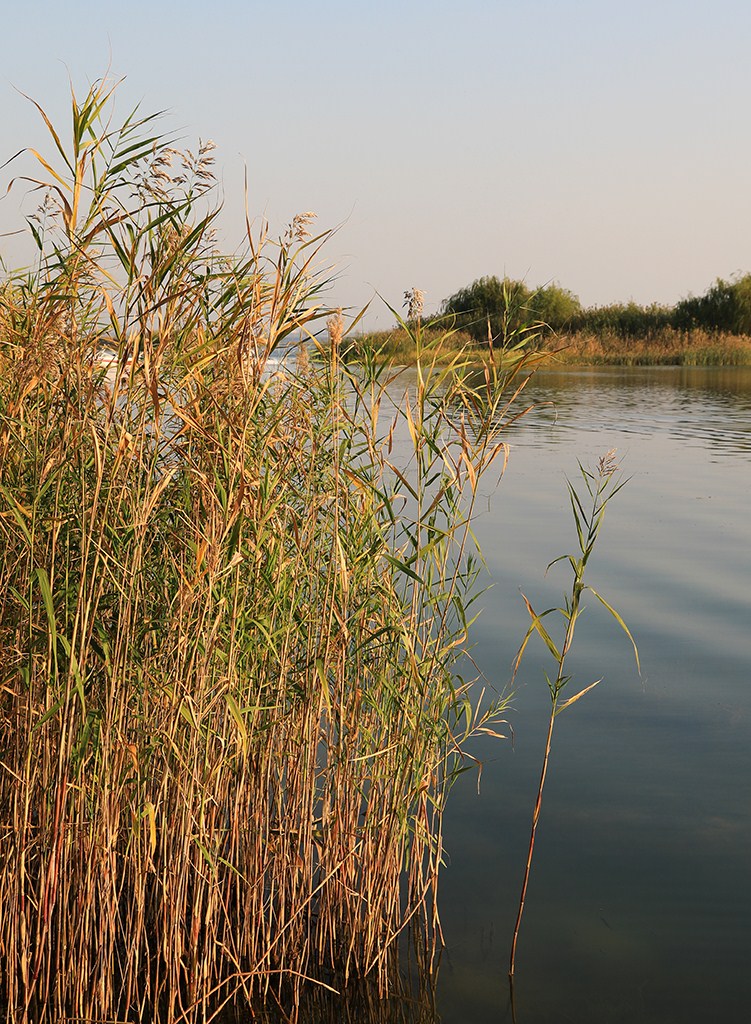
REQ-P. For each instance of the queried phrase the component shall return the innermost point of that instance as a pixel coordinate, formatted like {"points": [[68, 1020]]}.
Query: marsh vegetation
{"points": [[234, 693], [491, 317], [235, 607]]}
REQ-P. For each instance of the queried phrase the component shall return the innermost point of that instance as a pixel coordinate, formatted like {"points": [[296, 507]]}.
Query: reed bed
{"points": [[233, 615], [398, 346], [666, 347]]}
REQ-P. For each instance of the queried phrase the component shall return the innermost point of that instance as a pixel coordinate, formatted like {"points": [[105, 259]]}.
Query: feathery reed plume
{"points": [[335, 329], [300, 228], [414, 300], [302, 365]]}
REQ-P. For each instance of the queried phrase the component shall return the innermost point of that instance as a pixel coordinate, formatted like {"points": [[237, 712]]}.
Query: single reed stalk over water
{"points": [[233, 606], [601, 487]]}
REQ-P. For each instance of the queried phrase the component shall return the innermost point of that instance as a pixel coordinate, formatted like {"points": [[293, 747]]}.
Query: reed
{"points": [[664, 347], [397, 346], [588, 512], [232, 612]]}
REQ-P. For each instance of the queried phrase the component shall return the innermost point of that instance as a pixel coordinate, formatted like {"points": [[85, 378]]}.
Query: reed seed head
{"points": [[414, 300], [607, 464], [300, 227], [335, 328]]}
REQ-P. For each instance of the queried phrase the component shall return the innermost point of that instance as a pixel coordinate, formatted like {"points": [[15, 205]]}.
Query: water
{"points": [[639, 906]]}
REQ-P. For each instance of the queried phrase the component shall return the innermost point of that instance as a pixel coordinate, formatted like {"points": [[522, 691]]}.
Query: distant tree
{"points": [[725, 306], [555, 306], [504, 311], [481, 309], [742, 293], [623, 320]]}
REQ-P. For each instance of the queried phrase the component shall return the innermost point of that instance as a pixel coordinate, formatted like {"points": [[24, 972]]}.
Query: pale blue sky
{"points": [[605, 145]]}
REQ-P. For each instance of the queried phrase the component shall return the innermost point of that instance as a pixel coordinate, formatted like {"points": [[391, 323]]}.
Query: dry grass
{"points": [[398, 347], [668, 347]]}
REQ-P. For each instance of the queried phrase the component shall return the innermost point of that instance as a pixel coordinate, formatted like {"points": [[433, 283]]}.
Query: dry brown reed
{"points": [[398, 347], [232, 619], [666, 347]]}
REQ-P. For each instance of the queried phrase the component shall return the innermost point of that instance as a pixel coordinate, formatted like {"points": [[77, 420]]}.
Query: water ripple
{"points": [[709, 408]]}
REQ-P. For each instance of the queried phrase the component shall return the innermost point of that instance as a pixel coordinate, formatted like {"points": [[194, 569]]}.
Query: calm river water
{"points": [[639, 905]]}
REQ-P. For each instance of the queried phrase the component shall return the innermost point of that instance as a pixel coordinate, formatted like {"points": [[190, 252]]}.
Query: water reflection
{"points": [[708, 407], [640, 903], [411, 1001]]}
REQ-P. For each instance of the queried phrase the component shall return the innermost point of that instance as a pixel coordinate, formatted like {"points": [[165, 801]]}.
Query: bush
{"points": [[725, 306], [622, 320], [505, 312]]}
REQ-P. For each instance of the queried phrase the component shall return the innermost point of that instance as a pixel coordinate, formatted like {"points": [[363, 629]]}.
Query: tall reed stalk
{"points": [[233, 606], [601, 487]]}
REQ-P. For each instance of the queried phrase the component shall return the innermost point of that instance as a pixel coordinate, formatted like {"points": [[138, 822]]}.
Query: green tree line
{"points": [[503, 310]]}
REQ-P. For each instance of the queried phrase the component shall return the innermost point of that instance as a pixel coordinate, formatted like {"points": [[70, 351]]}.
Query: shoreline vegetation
{"points": [[235, 688], [668, 347], [235, 604], [492, 318]]}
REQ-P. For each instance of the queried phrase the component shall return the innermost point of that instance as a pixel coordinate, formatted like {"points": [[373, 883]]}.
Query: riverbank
{"points": [[667, 347]]}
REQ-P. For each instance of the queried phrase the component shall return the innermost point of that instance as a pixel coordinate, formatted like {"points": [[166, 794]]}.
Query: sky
{"points": [[605, 146]]}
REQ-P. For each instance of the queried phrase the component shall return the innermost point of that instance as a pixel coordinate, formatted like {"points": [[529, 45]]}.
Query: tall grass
{"points": [[398, 347], [664, 347], [232, 612]]}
